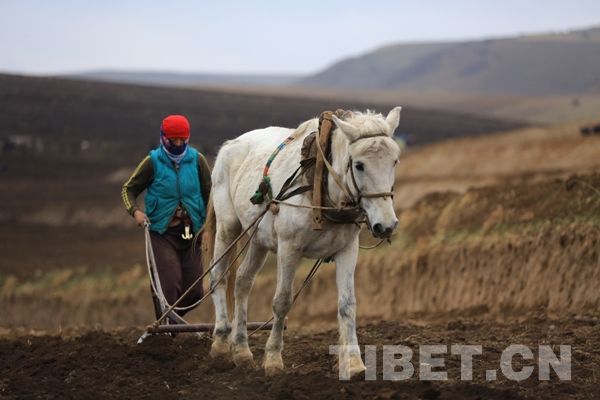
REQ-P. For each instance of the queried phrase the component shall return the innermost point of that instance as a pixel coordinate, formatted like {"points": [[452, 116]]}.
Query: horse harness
{"points": [[315, 167]]}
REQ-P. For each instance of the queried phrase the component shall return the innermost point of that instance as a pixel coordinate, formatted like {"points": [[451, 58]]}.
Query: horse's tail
{"points": [[231, 278], [208, 232], [208, 249]]}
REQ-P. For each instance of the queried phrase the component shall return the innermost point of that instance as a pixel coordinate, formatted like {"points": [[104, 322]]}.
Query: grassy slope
{"points": [[530, 65]]}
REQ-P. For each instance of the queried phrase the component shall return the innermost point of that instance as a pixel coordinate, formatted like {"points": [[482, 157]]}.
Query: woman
{"points": [[177, 181]]}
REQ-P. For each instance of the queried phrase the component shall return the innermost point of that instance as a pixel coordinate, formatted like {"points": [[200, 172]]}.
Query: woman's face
{"points": [[175, 145], [177, 141]]}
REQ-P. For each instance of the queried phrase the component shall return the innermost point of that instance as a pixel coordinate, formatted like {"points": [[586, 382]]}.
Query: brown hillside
{"points": [[562, 63], [121, 119]]}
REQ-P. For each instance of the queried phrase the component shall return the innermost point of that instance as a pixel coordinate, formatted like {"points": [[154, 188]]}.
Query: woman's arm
{"points": [[205, 179], [138, 182]]}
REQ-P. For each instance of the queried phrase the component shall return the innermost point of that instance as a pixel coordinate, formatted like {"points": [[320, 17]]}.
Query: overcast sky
{"points": [[55, 36]]}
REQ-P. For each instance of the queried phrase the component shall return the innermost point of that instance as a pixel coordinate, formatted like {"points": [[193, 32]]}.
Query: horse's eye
{"points": [[395, 162], [359, 166]]}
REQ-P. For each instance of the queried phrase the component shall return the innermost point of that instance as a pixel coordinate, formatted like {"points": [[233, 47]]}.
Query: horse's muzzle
{"points": [[381, 231]]}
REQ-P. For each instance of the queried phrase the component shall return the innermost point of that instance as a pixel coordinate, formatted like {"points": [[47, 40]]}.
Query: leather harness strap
{"points": [[324, 125], [322, 139], [316, 169], [367, 136]]}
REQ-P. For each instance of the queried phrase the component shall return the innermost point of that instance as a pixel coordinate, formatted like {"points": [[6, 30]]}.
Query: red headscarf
{"points": [[175, 126]]}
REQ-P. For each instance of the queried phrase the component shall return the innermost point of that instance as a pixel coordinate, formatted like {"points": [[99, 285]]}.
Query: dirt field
{"points": [[523, 269], [108, 365], [498, 245]]}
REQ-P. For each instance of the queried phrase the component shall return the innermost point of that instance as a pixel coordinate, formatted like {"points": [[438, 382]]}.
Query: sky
{"points": [[281, 37]]}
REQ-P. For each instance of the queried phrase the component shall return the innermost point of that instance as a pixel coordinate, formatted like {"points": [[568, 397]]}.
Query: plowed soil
{"points": [[107, 365], [498, 245]]}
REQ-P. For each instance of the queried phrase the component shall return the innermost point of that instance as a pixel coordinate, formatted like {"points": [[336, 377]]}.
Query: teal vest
{"points": [[172, 186]]}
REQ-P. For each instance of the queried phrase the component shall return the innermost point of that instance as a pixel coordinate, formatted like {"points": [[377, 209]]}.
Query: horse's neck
{"points": [[339, 158]]}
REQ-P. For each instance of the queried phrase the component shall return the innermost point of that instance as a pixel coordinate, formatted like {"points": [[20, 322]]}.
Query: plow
{"points": [[172, 323]]}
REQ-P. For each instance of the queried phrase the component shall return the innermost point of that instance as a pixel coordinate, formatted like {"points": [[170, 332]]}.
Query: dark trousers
{"points": [[178, 267]]}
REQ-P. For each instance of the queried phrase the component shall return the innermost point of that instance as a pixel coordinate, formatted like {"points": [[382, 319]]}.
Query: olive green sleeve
{"points": [[204, 176], [138, 182]]}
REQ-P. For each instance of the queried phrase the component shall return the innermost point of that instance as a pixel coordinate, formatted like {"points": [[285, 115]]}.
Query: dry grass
{"points": [[501, 249], [527, 155]]}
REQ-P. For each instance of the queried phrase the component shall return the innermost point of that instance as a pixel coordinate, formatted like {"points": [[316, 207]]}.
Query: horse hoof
{"points": [[356, 368], [357, 374], [273, 365], [273, 371], [244, 362], [353, 369], [219, 349], [244, 359]]}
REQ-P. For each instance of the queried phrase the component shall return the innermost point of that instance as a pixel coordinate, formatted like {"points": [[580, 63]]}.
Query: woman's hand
{"points": [[140, 218]]}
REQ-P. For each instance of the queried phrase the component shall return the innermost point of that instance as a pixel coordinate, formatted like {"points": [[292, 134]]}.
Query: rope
{"points": [[153, 272], [334, 174], [375, 246], [155, 279], [225, 252], [309, 276], [313, 207], [264, 188], [280, 147]]}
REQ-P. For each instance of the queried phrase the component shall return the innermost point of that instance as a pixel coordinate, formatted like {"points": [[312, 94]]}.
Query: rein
{"points": [[173, 306]]}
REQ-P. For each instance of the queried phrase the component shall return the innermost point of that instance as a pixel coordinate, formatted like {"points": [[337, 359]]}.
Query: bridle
{"points": [[362, 195], [344, 186]]}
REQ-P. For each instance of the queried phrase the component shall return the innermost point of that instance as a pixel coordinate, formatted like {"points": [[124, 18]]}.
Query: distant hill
{"points": [[124, 119], [547, 64], [181, 79]]}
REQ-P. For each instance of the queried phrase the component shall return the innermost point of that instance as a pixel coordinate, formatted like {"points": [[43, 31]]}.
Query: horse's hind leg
{"points": [[253, 262], [287, 261], [226, 232]]}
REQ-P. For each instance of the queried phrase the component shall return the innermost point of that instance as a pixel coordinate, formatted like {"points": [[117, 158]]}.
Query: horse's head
{"points": [[373, 155]]}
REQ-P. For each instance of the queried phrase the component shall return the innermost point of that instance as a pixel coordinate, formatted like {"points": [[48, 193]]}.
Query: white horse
{"points": [[365, 139]]}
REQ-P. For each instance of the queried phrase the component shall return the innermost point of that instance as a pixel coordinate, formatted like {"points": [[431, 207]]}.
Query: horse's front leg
{"points": [[350, 362], [287, 261]]}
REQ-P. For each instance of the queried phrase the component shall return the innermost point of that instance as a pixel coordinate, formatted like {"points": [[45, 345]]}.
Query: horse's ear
{"points": [[347, 114], [349, 130], [393, 119]]}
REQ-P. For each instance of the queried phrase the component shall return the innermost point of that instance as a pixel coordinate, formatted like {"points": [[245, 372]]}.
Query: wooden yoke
{"points": [[325, 127]]}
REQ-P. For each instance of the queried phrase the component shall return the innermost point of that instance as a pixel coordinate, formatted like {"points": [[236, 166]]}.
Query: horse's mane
{"points": [[369, 123], [307, 127]]}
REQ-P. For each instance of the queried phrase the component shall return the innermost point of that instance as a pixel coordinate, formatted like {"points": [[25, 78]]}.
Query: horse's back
{"points": [[240, 162], [253, 144]]}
